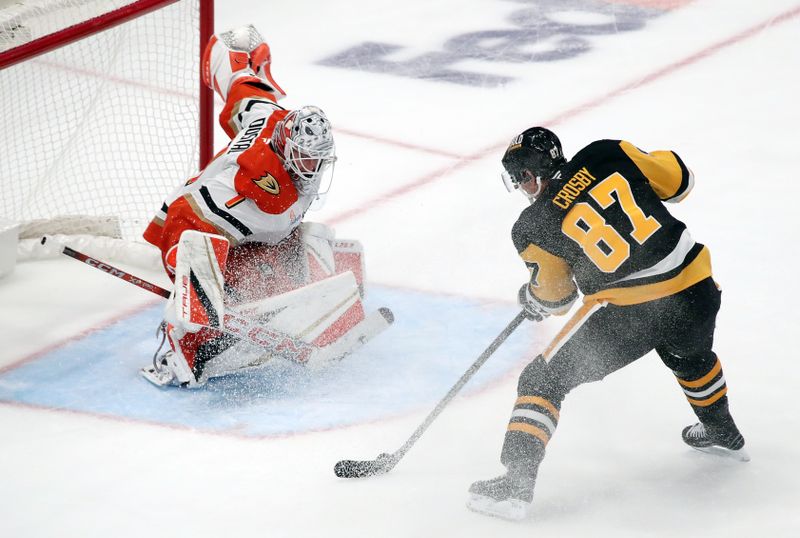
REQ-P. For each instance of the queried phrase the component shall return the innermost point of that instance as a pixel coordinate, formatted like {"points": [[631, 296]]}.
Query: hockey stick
{"points": [[233, 323], [386, 462], [113, 271]]}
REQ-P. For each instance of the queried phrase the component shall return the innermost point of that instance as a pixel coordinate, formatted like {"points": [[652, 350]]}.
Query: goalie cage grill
{"points": [[104, 112]]}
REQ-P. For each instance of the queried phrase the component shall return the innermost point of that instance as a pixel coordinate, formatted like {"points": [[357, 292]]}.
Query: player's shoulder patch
{"points": [[269, 187]]}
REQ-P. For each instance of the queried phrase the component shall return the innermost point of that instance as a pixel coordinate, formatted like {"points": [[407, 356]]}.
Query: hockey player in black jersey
{"points": [[598, 225]]}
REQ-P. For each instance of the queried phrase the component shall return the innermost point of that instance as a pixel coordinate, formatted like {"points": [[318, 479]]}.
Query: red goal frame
{"points": [[116, 17]]}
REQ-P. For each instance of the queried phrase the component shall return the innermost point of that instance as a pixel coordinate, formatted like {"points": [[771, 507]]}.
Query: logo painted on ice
{"points": [[544, 31]]}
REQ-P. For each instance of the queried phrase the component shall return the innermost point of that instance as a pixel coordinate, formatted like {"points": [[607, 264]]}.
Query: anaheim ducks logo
{"points": [[269, 184]]}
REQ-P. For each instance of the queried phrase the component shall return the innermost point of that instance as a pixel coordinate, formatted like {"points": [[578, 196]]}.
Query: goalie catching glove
{"points": [[238, 54]]}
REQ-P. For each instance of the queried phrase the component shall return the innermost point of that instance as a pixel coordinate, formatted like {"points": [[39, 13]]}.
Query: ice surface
{"points": [[424, 96]]}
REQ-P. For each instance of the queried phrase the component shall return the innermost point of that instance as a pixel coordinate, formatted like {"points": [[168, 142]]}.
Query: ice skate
{"points": [[729, 445], [168, 369], [508, 496]]}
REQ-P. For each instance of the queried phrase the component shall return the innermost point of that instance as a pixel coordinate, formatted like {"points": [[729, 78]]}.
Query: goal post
{"points": [[104, 111]]}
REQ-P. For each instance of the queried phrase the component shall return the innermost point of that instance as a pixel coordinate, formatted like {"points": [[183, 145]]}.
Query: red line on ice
{"points": [[493, 150]]}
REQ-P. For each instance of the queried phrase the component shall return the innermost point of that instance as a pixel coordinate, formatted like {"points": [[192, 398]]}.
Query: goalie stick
{"points": [[385, 462], [282, 344]]}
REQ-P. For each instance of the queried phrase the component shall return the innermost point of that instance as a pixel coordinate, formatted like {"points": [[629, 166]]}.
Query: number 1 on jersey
{"points": [[601, 243]]}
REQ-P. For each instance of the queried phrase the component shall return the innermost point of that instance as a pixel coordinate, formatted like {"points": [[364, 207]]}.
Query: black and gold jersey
{"points": [[602, 224]]}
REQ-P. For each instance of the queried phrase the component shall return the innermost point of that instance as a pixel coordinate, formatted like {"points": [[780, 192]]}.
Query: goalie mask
{"points": [[532, 157], [304, 141]]}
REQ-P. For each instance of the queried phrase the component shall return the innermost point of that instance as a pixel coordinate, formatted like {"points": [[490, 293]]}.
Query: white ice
{"points": [[418, 183]]}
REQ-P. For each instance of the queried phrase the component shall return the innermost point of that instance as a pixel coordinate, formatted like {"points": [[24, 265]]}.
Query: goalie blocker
{"points": [[305, 295]]}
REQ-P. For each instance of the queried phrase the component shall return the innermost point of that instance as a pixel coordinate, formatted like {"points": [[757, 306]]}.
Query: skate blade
{"points": [[159, 379], [511, 509], [738, 455]]}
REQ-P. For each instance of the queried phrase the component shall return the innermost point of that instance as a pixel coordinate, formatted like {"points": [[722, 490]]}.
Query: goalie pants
{"points": [[602, 338]]}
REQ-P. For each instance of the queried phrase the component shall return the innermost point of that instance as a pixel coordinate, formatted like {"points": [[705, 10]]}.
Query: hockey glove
{"points": [[534, 311], [239, 54]]}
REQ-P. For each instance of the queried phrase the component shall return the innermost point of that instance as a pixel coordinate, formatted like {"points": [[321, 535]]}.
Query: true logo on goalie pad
{"points": [[198, 298]]}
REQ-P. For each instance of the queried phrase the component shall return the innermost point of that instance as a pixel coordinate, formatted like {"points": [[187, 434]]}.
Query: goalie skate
{"points": [[160, 377], [167, 370]]}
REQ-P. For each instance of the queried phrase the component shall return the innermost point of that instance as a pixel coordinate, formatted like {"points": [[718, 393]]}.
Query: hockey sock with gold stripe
{"points": [[707, 395], [532, 424], [706, 390]]}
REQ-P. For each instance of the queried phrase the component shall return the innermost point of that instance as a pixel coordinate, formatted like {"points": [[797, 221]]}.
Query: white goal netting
{"points": [[101, 129]]}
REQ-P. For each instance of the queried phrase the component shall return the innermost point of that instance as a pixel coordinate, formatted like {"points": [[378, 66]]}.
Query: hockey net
{"points": [[103, 113]]}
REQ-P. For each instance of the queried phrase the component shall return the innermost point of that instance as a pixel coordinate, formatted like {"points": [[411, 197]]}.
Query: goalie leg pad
{"points": [[245, 356], [328, 256], [184, 363], [367, 329], [317, 240], [198, 298], [309, 312], [328, 314], [348, 255]]}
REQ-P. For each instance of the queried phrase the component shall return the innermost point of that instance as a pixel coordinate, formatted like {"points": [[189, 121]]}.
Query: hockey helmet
{"points": [[532, 156], [303, 140]]}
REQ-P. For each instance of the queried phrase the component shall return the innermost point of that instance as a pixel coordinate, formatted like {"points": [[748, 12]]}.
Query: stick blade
{"points": [[364, 468]]}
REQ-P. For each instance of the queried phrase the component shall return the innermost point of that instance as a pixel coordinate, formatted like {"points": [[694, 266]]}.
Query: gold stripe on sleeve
{"points": [[552, 280], [661, 169]]}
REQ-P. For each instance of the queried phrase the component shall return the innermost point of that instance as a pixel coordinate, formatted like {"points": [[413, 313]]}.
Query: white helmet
{"points": [[303, 140]]}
